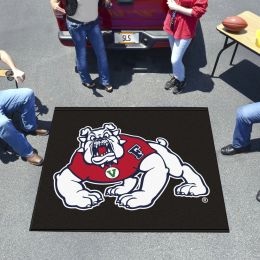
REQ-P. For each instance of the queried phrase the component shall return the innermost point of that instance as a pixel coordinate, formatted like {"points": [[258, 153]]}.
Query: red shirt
{"points": [[184, 25], [135, 150]]}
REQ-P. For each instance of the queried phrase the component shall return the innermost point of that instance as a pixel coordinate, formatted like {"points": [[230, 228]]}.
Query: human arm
{"points": [[106, 3], [178, 8], [55, 5], [18, 75], [197, 10]]}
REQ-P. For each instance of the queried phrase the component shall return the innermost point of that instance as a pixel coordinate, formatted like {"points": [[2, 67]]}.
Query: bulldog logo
{"points": [[136, 171]]}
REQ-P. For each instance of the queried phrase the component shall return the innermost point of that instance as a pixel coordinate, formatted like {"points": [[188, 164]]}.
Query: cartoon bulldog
{"points": [[138, 169]]}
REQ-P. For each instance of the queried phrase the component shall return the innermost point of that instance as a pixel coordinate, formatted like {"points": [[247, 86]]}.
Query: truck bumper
{"points": [[148, 40]]}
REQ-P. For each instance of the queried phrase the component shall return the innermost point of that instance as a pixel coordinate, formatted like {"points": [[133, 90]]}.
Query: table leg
{"points": [[233, 55], [226, 45]]}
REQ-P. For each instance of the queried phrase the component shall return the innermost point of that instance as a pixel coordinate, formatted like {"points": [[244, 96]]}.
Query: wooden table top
{"points": [[246, 37], [2, 72]]}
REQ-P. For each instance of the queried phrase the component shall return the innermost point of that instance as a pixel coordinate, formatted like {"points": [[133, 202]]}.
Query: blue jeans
{"points": [[246, 116], [18, 104], [80, 33], [179, 47]]}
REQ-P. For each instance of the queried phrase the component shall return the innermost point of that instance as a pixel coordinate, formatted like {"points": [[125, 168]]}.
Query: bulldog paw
{"points": [[117, 190], [85, 199], [190, 190], [135, 200]]}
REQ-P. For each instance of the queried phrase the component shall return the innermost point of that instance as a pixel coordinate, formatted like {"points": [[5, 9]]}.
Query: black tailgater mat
{"points": [[130, 169]]}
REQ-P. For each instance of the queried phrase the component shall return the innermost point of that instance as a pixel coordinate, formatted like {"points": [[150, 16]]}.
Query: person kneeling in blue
{"points": [[17, 110], [247, 115]]}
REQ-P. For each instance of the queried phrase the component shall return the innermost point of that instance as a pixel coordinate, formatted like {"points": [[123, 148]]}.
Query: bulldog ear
{"points": [[85, 131], [110, 126], [116, 132], [122, 141], [82, 139]]}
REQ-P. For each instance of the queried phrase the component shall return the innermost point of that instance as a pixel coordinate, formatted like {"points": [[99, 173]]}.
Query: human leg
{"points": [[27, 112], [171, 40], [96, 38], [170, 83], [178, 47], [178, 50], [246, 116], [20, 103], [78, 34], [15, 139]]}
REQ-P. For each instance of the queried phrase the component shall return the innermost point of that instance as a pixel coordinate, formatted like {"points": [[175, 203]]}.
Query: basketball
{"points": [[234, 23]]}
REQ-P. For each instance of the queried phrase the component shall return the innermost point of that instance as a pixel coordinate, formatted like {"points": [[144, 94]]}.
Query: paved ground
{"points": [[28, 31]]}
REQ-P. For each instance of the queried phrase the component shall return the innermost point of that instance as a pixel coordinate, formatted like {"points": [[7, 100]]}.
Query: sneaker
{"points": [[89, 85], [170, 84], [178, 86]]}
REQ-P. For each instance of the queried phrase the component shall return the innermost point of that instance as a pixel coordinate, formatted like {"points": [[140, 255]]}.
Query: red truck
{"points": [[133, 24]]}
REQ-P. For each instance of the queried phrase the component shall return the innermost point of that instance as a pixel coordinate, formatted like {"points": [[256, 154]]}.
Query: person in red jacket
{"points": [[180, 23]]}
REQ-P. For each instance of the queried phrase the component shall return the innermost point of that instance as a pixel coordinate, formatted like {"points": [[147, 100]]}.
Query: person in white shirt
{"points": [[83, 25]]}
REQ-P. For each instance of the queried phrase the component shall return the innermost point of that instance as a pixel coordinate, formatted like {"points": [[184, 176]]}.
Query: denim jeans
{"points": [[80, 33], [179, 47], [18, 104], [246, 116]]}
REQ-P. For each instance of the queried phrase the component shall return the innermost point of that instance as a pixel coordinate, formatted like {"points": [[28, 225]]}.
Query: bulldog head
{"points": [[101, 145]]}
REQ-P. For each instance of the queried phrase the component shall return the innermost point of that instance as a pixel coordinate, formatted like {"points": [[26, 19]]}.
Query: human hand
{"points": [[108, 3], [172, 5], [57, 9], [18, 75]]}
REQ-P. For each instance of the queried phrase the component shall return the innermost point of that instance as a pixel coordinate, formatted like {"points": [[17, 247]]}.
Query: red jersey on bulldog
{"points": [[135, 150]]}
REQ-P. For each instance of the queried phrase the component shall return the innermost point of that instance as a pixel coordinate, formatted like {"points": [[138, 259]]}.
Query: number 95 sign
{"points": [[126, 37]]}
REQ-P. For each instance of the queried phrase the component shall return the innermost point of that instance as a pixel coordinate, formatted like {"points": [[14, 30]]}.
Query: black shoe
{"points": [[170, 84], [230, 150], [178, 86], [34, 159], [108, 88], [258, 196], [89, 85]]}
